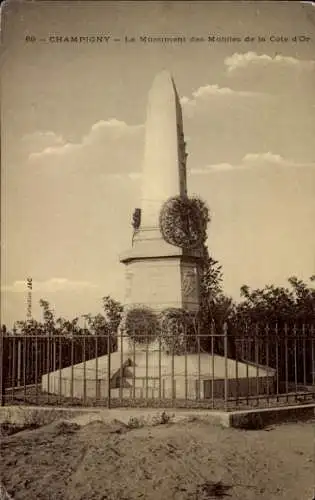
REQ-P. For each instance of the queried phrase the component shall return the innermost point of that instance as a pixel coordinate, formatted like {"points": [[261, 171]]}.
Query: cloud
{"points": [[133, 176], [185, 100], [45, 135], [111, 129], [242, 61], [110, 147], [207, 92], [40, 140], [215, 90], [218, 167], [267, 157], [51, 285], [252, 160]]}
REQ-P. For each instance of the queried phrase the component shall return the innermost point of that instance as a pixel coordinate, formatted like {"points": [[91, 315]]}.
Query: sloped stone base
{"points": [[151, 374]]}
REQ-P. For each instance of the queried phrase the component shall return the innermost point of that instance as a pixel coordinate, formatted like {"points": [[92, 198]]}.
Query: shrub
{"points": [[177, 331], [140, 323]]}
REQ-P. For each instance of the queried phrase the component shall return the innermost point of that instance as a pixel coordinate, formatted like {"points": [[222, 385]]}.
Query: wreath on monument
{"points": [[183, 221], [140, 324], [177, 332]]}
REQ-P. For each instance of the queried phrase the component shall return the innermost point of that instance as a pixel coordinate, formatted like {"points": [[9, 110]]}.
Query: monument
{"points": [[158, 274]]}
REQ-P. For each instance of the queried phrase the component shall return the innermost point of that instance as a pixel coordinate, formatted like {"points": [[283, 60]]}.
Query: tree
{"points": [[304, 299], [216, 308], [277, 305], [216, 305], [68, 327], [97, 325], [113, 313], [283, 318], [29, 327], [48, 317]]}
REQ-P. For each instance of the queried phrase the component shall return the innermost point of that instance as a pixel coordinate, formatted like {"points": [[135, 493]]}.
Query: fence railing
{"points": [[259, 366]]}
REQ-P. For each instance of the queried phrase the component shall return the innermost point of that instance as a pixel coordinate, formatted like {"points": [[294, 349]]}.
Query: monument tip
{"points": [[163, 78]]}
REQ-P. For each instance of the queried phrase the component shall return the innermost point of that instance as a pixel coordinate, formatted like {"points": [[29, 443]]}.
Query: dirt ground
{"points": [[188, 460]]}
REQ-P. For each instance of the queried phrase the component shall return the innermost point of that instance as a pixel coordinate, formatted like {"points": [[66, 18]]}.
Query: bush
{"points": [[141, 324], [177, 331]]}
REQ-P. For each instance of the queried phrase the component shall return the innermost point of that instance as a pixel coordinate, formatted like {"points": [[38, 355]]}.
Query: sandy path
{"points": [[181, 461]]}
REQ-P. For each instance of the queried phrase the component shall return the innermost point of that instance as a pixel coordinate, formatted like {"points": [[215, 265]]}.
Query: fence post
{"points": [[24, 364], [286, 361], [199, 394], [19, 363], [121, 369], [84, 369], [36, 367], [173, 376], [109, 370], [147, 370], [2, 384], [312, 357], [226, 374], [96, 367], [213, 331]]}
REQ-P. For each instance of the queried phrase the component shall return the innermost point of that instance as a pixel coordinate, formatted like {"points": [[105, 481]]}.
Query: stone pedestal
{"points": [[160, 275]]}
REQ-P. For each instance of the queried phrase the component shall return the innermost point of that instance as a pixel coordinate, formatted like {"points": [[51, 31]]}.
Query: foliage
{"points": [[281, 318], [98, 324], [204, 215], [277, 305], [30, 327], [48, 316], [215, 307], [212, 275], [68, 327], [113, 314], [183, 221], [177, 331], [140, 323], [108, 323]]}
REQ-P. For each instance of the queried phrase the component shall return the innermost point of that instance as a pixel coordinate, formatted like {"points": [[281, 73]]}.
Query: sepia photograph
{"points": [[157, 250]]}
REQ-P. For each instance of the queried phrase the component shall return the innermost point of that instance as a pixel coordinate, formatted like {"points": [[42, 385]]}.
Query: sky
{"points": [[72, 140]]}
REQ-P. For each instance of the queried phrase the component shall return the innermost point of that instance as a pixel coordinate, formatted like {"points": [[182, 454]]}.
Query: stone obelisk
{"points": [[164, 166], [160, 275]]}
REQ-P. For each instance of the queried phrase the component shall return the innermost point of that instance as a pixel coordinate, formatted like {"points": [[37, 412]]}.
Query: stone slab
{"points": [[263, 417], [192, 377], [257, 418]]}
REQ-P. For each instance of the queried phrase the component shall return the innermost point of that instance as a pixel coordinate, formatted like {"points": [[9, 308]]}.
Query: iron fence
{"points": [[258, 366]]}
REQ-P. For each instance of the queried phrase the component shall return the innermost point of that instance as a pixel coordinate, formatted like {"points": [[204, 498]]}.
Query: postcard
{"points": [[158, 242]]}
